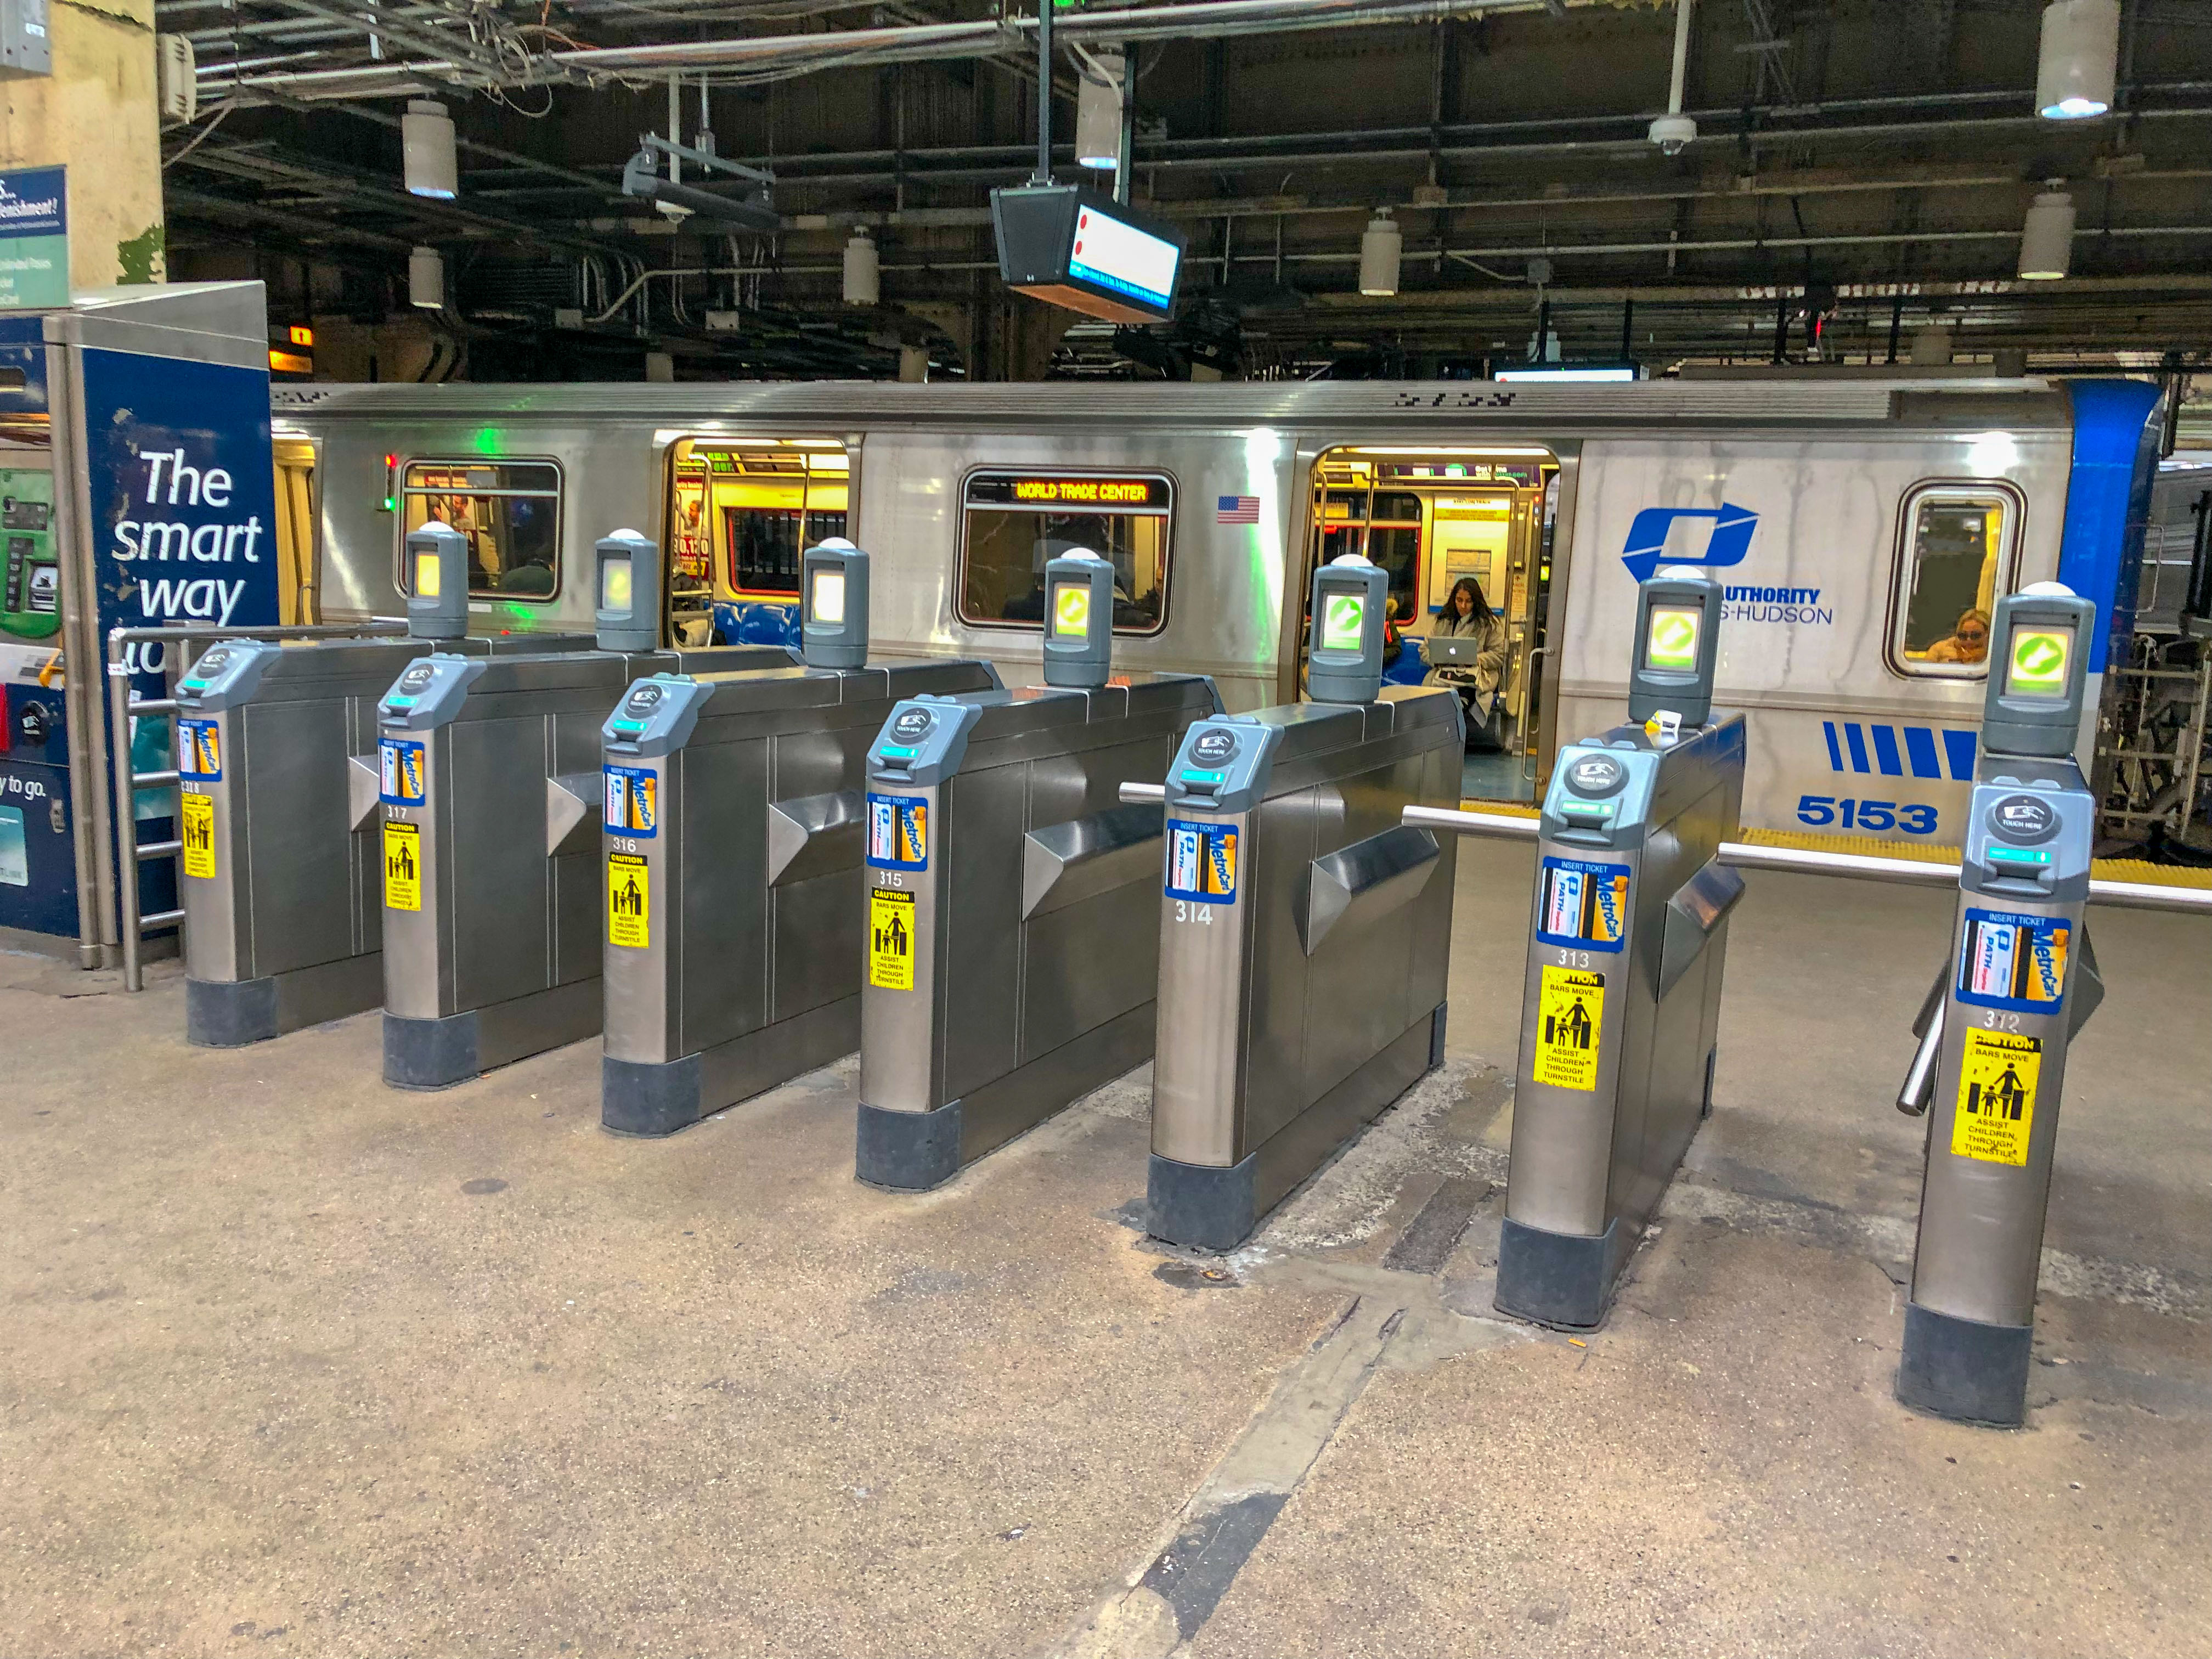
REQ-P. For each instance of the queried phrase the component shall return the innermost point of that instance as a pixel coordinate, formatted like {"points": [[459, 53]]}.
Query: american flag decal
{"points": [[1236, 509]]}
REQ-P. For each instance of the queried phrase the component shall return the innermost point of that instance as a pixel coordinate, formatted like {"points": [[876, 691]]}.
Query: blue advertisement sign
{"points": [[184, 498], [33, 239]]}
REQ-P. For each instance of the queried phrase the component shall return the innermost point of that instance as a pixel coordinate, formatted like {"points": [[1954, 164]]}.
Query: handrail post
{"points": [[126, 809]]}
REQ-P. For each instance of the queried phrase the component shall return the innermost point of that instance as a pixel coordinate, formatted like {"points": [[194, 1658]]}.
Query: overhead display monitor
{"points": [[1064, 246]]}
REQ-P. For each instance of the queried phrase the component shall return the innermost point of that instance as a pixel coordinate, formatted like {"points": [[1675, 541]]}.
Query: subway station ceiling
{"points": [[1859, 177]]}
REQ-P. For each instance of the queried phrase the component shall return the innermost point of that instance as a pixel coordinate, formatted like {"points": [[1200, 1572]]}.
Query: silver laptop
{"points": [[1465, 649]]}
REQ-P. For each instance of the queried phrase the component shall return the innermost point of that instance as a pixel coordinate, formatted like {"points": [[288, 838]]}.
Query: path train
{"points": [[1863, 530]]}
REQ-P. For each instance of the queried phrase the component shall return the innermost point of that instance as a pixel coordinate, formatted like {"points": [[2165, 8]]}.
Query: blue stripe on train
{"points": [[1919, 753]]}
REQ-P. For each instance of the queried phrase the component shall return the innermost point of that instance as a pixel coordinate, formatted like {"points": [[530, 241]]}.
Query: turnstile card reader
{"points": [[1012, 945], [2020, 981], [1620, 1004], [734, 831], [1303, 930], [276, 752]]}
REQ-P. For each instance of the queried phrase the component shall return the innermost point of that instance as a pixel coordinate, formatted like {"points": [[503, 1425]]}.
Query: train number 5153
{"points": [[1866, 814]]}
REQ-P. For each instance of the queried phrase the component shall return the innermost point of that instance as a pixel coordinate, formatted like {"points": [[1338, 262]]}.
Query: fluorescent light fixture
{"points": [[2078, 63], [426, 154], [1557, 375], [863, 283], [426, 279], [1098, 113], [2046, 238], [1380, 250]]}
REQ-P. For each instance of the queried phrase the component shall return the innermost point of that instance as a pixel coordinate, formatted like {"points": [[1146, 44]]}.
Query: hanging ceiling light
{"points": [[1098, 111], [2079, 62], [1380, 250], [2046, 239], [1674, 130], [863, 283], [426, 279], [425, 143]]}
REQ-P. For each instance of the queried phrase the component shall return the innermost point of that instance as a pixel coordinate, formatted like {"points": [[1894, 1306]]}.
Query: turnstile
{"points": [[283, 918], [1303, 930], [1012, 948], [2020, 981], [734, 835], [1621, 1007], [491, 795]]}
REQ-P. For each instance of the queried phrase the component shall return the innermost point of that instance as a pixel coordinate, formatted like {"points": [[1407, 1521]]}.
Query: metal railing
{"points": [[132, 855], [1856, 867]]}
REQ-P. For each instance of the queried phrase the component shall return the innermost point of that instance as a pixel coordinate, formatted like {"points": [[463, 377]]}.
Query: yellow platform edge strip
{"points": [[2134, 870]]}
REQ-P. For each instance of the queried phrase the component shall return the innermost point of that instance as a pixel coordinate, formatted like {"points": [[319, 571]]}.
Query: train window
{"points": [[510, 511], [1957, 559], [1015, 521]]}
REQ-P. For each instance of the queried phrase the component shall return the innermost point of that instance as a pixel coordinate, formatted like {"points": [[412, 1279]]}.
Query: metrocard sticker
{"points": [[890, 939], [199, 750], [402, 866], [629, 900], [1571, 1008], [633, 802], [197, 813], [399, 772], [1581, 905], [2014, 960], [898, 831], [1997, 1073], [1202, 861]]}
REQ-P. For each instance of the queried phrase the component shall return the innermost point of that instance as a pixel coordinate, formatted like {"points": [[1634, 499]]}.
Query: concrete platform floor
{"points": [[295, 1364]]}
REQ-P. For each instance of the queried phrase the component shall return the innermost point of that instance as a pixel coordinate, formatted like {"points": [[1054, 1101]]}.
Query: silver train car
{"points": [[1863, 530]]}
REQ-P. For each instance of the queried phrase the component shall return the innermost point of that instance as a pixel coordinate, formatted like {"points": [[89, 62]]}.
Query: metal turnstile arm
{"points": [[1138, 794]]}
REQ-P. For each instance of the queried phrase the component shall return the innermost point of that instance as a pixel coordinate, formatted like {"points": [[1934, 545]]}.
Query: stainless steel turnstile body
{"points": [[733, 836], [1012, 947], [283, 918], [491, 795], [1304, 935], [1620, 1009]]}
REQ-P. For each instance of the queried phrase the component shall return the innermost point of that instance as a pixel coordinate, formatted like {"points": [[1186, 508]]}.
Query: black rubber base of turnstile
{"points": [[1564, 1281], [648, 1098], [229, 1014], [909, 1151], [429, 1053], [1202, 1206], [1963, 1370]]}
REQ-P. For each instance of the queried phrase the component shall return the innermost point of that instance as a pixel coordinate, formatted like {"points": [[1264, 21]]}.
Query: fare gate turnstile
{"points": [[1303, 930], [490, 793], [734, 830], [276, 776], [1620, 1008], [1012, 941], [2020, 981]]}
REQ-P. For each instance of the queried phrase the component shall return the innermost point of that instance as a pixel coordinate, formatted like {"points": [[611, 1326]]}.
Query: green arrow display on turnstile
{"points": [[2039, 662]]}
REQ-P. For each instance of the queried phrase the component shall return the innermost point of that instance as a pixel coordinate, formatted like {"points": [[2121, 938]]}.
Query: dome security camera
{"points": [[1672, 133]]}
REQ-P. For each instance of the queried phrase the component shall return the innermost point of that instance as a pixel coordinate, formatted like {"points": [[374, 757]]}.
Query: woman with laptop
{"points": [[1466, 649]]}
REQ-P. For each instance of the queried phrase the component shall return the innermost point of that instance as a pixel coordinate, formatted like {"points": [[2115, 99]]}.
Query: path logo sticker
{"points": [[890, 939], [402, 866], [1571, 1009], [898, 832], [2014, 961], [1202, 861], [629, 900], [399, 772], [1580, 905], [197, 815], [633, 802], [1998, 1072], [199, 750]]}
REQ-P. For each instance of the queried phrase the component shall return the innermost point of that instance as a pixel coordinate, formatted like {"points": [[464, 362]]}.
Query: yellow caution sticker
{"points": [[629, 900], [1998, 1072], [890, 939], [1571, 1009], [197, 817], [402, 866]]}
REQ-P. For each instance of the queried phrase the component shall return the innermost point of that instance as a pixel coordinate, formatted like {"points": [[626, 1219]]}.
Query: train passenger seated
{"points": [[1969, 641], [533, 575], [1467, 615]]}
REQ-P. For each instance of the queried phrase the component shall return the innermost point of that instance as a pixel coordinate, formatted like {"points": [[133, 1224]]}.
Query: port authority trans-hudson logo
{"points": [[1728, 542]]}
